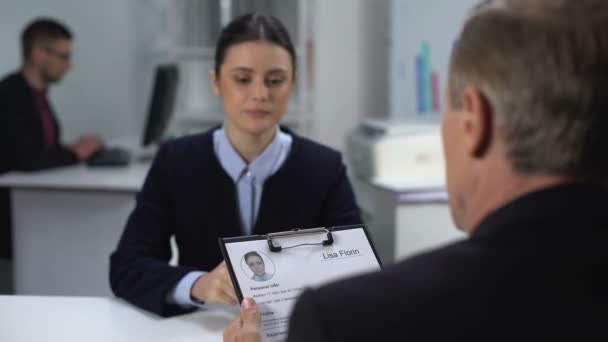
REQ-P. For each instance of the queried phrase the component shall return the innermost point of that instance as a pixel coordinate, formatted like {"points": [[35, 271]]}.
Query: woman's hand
{"points": [[215, 287]]}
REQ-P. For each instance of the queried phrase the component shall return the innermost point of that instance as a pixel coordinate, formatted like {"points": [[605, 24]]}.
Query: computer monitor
{"points": [[161, 105]]}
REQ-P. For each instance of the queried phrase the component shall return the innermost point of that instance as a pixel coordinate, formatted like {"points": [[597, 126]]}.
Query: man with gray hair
{"points": [[524, 129]]}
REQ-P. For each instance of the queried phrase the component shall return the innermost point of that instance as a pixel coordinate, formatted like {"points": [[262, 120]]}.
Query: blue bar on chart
{"points": [[426, 68], [419, 85], [427, 82]]}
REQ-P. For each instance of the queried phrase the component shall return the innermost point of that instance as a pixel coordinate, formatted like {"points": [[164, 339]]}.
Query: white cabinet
{"points": [[185, 32], [405, 222]]}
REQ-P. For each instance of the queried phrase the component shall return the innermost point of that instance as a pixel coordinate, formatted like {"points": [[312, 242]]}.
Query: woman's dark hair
{"points": [[250, 254], [252, 27]]}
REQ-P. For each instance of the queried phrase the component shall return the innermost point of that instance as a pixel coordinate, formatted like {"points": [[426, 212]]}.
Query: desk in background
{"points": [[91, 319], [66, 222]]}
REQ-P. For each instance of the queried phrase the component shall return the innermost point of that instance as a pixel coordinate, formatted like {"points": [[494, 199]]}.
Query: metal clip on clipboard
{"points": [[276, 247]]}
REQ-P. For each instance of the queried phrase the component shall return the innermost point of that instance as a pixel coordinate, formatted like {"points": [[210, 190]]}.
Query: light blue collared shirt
{"points": [[249, 180]]}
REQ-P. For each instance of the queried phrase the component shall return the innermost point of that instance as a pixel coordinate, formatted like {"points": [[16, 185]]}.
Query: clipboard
{"points": [[275, 268]]}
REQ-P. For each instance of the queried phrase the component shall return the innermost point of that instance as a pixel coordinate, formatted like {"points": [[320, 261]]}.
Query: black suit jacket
{"points": [[22, 145], [532, 270]]}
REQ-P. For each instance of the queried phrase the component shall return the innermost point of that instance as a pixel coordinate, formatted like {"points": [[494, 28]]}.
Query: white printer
{"points": [[397, 152]]}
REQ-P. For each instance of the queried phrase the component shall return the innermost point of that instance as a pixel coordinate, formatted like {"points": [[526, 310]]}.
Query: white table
{"points": [[91, 319], [66, 222]]}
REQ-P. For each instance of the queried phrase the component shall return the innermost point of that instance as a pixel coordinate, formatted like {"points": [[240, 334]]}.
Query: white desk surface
{"points": [[80, 177], [91, 319]]}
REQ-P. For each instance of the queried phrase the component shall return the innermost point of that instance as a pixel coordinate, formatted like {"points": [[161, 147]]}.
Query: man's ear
{"points": [[215, 82], [36, 54], [477, 121]]}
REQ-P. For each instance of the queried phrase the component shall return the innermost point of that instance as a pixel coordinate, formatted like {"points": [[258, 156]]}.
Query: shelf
{"points": [[193, 118], [186, 52], [199, 52], [192, 52]]}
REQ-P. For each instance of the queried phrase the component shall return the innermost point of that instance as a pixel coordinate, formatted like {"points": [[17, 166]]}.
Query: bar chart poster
{"points": [[428, 95], [423, 35]]}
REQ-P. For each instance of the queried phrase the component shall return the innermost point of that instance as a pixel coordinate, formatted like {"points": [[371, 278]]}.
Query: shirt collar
{"points": [[37, 92], [40, 92], [261, 168]]}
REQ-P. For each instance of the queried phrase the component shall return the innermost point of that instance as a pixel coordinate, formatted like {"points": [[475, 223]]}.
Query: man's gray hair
{"points": [[543, 66]]}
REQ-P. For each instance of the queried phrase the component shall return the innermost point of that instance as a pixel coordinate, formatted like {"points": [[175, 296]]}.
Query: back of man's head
{"points": [[543, 66], [42, 31]]}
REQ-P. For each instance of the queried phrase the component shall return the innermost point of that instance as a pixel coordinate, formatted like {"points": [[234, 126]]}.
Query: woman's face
{"points": [[255, 83], [256, 264]]}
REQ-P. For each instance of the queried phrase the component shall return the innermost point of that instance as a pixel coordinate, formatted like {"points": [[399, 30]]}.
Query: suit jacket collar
{"points": [[553, 212]]}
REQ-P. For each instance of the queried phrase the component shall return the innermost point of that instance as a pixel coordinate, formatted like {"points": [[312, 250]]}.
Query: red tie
{"points": [[46, 118]]}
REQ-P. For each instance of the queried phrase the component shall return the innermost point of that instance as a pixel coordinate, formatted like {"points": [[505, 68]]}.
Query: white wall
{"points": [[98, 94], [351, 66]]}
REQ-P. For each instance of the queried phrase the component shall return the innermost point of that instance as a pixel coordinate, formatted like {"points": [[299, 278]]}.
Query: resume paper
{"points": [[276, 279]]}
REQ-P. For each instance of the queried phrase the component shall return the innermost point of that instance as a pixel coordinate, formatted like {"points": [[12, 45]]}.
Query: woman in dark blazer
{"points": [[248, 176]]}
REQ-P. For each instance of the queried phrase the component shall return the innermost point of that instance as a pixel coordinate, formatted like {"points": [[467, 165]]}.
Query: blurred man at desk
{"points": [[30, 137], [29, 132]]}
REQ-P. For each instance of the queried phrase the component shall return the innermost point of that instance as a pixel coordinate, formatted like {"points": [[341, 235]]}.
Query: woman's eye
{"points": [[242, 80], [274, 81]]}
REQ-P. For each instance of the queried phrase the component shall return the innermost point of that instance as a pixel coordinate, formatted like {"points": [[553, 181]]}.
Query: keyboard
{"points": [[110, 156]]}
